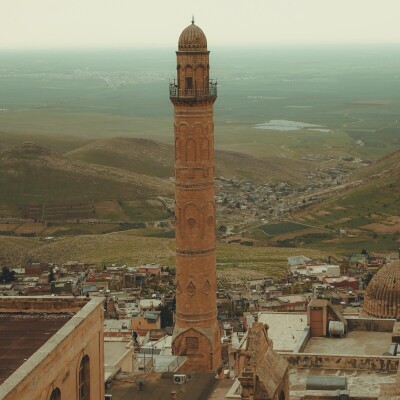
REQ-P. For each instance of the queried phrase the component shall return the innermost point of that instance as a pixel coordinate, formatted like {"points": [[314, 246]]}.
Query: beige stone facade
{"points": [[196, 332], [70, 364]]}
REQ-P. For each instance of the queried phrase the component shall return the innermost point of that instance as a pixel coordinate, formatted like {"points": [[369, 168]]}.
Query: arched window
{"points": [[84, 379], [55, 394], [282, 395], [189, 78]]}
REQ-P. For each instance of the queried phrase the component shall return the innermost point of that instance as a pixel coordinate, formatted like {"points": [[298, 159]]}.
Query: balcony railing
{"points": [[208, 93]]}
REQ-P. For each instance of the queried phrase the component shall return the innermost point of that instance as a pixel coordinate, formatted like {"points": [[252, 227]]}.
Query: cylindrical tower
{"points": [[382, 297], [196, 331]]}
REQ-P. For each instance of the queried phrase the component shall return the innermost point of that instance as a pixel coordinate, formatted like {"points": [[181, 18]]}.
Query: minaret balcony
{"points": [[207, 94]]}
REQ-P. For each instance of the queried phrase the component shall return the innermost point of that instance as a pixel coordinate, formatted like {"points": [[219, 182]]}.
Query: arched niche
{"points": [[205, 149], [198, 129], [55, 394], [192, 223], [191, 150], [178, 149], [200, 77], [210, 128], [183, 129], [209, 219]]}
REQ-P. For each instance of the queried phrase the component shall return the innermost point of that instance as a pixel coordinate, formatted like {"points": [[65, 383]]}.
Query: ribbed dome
{"points": [[192, 39], [382, 297]]}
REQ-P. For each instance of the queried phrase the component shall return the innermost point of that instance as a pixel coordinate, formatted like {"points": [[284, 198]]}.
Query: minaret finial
{"points": [[192, 19]]}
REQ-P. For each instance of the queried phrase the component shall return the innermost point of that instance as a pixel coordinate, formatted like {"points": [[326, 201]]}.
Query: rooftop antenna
{"points": [[192, 19]]}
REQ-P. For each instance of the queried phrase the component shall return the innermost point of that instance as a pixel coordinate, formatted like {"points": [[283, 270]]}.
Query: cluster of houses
{"points": [[139, 302], [142, 291], [275, 198], [252, 199], [77, 278]]}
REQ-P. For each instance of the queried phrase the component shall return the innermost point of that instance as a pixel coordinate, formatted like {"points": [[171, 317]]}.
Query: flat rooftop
{"points": [[354, 343], [159, 387], [113, 351], [363, 384], [285, 329], [23, 334]]}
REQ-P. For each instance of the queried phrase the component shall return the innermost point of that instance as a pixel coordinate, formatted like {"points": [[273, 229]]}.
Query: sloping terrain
{"points": [[154, 158], [388, 165], [370, 204], [142, 156], [32, 174]]}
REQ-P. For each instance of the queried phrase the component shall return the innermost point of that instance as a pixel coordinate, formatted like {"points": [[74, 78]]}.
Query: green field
{"points": [[284, 227]]}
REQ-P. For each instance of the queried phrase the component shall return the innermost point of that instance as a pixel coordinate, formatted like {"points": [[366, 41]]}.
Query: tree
{"points": [[7, 276], [51, 276], [166, 317], [222, 228], [367, 278]]}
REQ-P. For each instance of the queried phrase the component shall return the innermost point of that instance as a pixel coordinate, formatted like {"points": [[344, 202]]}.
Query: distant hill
{"points": [[369, 203], [388, 165], [156, 159], [33, 174], [142, 156], [43, 184]]}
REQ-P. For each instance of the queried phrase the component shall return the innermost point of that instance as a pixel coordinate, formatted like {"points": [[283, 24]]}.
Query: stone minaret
{"points": [[196, 331]]}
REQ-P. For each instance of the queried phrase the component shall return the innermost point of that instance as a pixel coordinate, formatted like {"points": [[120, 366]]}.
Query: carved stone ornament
{"points": [[206, 287], [191, 222], [191, 289]]}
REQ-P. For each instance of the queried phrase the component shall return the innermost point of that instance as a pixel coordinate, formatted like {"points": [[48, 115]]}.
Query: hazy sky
{"points": [[149, 23]]}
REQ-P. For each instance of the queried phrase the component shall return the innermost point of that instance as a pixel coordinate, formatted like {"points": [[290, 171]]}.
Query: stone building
{"points": [[51, 348], [264, 373], [382, 297], [196, 332]]}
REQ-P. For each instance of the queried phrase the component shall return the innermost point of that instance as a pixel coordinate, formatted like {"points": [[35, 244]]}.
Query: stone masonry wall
{"points": [[370, 324], [362, 363], [11, 304], [56, 363]]}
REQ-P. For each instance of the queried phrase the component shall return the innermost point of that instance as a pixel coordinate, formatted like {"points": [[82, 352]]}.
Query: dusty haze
{"points": [[122, 23]]}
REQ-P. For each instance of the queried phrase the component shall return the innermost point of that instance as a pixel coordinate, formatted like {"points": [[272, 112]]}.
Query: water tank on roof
{"points": [[180, 379], [336, 328], [326, 383]]}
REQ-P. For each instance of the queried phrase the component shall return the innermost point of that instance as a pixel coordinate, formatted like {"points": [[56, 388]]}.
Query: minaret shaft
{"points": [[196, 331]]}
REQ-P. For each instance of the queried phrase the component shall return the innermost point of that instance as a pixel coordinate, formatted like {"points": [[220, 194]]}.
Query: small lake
{"points": [[285, 125]]}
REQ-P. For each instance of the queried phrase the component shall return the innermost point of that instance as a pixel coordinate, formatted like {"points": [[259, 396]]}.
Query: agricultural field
{"points": [[145, 210], [281, 228]]}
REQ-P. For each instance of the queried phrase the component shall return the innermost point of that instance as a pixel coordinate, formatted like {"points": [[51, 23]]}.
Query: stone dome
{"points": [[192, 38], [382, 297]]}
